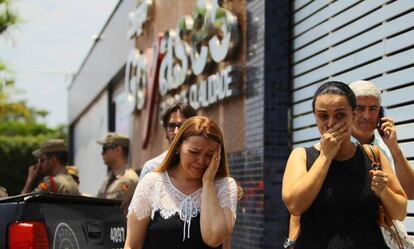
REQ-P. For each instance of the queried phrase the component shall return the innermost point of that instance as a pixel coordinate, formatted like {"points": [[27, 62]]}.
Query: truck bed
{"points": [[71, 221]]}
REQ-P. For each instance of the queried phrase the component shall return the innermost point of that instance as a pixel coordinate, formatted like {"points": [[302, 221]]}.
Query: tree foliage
{"points": [[7, 16], [16, 110], [21, 132], [15, 159], [21, 126]]}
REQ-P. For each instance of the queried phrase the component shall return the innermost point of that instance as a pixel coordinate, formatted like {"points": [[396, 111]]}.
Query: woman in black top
{"points": [[190, 200], [332, 186]]}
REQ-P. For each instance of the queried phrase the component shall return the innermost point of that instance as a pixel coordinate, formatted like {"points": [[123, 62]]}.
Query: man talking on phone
{"points": [[368, 119]]}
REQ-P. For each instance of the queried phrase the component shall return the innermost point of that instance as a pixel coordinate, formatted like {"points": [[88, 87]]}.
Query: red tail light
{"points": [[28, 235]]}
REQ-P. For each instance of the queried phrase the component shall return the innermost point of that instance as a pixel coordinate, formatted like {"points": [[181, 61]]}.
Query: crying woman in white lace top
{"points": [[189, 201]]}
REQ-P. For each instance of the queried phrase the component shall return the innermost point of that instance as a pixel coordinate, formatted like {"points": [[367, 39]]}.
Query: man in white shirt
{"points": [[364, 126], [172, 121]]}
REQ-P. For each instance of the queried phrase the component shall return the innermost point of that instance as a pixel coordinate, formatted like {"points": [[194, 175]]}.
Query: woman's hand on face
{"points": [[212, 168], [332, 138], [379, 181]]}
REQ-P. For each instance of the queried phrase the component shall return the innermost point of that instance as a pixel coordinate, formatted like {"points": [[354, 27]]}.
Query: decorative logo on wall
{"points": [[196, 53], [210, 36]]}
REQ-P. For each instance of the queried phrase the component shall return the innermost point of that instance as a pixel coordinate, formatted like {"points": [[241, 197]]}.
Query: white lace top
{"points": [[155, 192]]}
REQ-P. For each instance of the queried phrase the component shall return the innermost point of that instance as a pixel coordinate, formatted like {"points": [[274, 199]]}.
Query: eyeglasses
{"points": [[172, 126], [42, 159], [106, 147]]}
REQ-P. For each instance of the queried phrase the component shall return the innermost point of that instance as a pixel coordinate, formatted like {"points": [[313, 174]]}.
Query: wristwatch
{"points": [[288, 243]]}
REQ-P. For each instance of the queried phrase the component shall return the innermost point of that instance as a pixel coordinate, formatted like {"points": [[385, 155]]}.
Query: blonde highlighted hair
{"points": [[196, 126]]}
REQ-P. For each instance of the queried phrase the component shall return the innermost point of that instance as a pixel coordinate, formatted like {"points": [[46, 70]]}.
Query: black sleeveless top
{"points": [[343, 215], [171, 229]]}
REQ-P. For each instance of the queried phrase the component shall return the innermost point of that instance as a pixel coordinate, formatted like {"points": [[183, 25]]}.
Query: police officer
{"points": [[368, 120], [120, 178], [52, 158]]}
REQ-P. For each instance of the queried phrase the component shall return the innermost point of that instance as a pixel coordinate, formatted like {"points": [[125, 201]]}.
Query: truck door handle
{"points": [[94, 231]]}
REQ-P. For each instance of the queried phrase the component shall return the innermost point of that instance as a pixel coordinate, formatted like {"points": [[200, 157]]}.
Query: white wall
{"points": [[92, 126]]}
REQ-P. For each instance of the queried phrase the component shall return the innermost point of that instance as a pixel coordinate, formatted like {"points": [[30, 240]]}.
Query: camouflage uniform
{"points": [[118, 183], [61, 183], [3, 192], [74, 172]]}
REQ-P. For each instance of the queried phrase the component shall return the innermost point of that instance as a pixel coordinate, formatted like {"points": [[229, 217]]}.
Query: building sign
{"points": [[136, 66], [187, 53], [138, 18]]}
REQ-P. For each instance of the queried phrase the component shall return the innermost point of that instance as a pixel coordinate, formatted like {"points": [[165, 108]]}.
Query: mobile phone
{"points": [[381, 114]]}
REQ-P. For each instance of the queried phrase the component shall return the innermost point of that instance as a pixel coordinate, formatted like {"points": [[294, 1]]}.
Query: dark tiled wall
{"points": [[262, 217], [246, 167], [276, 140]]}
